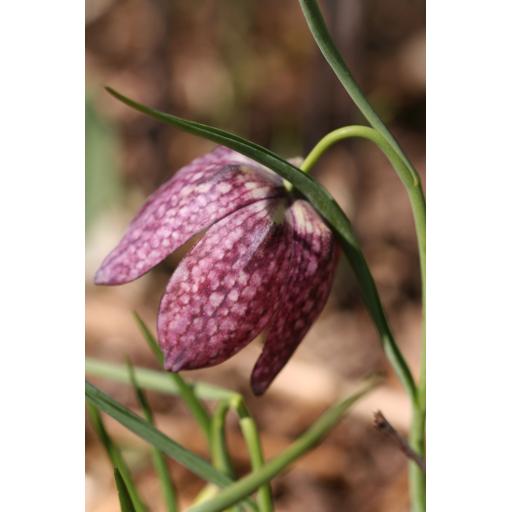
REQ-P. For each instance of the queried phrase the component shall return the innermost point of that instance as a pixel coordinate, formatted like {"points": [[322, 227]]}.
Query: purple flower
{"points": [[265, 263]]}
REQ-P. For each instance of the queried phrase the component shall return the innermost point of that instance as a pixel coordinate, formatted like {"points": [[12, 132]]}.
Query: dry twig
{"points": [[383, 425]]}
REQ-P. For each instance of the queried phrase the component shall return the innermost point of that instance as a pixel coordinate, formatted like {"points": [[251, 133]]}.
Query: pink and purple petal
{"points": [[200, 194], [313, 261], [225, 291]]}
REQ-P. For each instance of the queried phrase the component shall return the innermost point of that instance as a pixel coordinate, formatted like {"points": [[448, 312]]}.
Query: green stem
{"points": [[125, 500], [218, 446], [412, 184], [219, 451], [417, 476], [324, 41], [248, 484], [389, 344], [410, 180], [252, 440]]}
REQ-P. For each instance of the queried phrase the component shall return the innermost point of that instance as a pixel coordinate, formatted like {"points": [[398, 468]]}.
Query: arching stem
{"points": [[412, 183]]}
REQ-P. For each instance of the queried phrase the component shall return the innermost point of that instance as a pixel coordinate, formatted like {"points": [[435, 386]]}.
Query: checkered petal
{"points": [[303, 296], [200, 194], [226, 290]]}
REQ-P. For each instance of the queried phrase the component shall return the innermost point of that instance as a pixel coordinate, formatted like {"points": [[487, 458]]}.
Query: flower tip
{"points": [[174, 363], [104, 276], [101, 277], [259, 388]]}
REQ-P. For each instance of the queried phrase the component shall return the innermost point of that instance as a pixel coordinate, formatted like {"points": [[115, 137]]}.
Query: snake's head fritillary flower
{"points": [[265, 263]]}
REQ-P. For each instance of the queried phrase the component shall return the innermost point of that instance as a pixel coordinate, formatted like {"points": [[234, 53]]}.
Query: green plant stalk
{"points": [[417, 477], [411, 182], [417, 202], [220, 453], [219, 450], [252, 440], [416, 199], [125, 500], [324, 41], [248, 484], [168, 488], [184, 389], [218, 446], [115, 456], [159, 463]]}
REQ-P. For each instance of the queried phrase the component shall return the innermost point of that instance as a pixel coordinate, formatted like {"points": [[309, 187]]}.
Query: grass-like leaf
{"points": [[154, 437], [125, 501], [151, 379], [219, 450], [247, 485], [114, 454], [159, 462], [185, 390], [149, 338], [322, 201], [324, 41], [314, 192]]}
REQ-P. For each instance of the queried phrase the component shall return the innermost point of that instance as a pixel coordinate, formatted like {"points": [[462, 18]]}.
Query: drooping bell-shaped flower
{"points": [[265, 263]]}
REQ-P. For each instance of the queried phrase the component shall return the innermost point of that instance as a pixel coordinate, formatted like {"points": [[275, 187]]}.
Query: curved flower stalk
{"points": [[265, 263]]}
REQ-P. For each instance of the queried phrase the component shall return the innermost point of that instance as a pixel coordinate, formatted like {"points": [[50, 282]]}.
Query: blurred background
{"points": [[251, 66]]}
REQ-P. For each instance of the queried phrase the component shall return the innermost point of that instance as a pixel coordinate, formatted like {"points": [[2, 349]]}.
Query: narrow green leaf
{"points": [[248, 484], [124, 497], [153, 436], [218, 446], [151, 379], [158, 458], [252, 440], [317, 195], [324, 41], [149, 433], [114, 454], [150, 339], [220, 455], [323, 202], [186, 391]]}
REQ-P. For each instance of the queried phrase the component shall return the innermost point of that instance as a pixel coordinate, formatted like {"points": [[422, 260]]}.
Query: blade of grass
{"points": [[220, 455], [125, 500], [326, 206], [324, 41], [185, 390], [317, 195], [219, 450], [151, 379], [159, 462], [252, 440], [154, 437], [149, 338], [247, 485], [114, 454]]}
